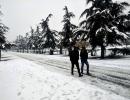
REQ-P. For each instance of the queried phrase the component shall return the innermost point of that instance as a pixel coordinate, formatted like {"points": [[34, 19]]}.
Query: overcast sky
{"points": [[20, 15]]}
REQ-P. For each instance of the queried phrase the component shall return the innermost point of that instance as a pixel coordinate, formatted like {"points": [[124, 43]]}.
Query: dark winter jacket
{"points": [[74, 56], [84, 54]]}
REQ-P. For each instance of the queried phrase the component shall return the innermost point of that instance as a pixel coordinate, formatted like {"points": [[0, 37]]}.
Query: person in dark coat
{"points": [[74, 57], [84, 60]]}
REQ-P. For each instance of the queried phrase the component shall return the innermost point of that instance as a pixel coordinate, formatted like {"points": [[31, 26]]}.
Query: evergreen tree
{"points": [[38, 39], [48, 35], [27, 40], [31, 39], [67, 27], [3, 30], [104, 23]]}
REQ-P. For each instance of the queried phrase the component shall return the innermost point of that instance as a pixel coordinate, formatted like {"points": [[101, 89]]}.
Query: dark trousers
{"points": [[84, 61], [72, 67]]}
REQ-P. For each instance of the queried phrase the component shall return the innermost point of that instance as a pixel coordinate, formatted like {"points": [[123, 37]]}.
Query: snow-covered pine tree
{"points": [[104, 23], [48, 35], [68, 28], [3, 30]]}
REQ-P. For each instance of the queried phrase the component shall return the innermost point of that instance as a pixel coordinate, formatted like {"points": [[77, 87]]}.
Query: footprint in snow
{"points": [[39, 81], [22, 87], [19, 93], [44, 98]]}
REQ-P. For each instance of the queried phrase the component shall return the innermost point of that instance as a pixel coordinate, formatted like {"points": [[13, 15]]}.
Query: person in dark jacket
{"points": [[84, 60], [74, 57]]}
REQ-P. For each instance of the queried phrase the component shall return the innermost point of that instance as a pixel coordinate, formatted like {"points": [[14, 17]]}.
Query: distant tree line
{"points": [[3, 30], [105, 24]]}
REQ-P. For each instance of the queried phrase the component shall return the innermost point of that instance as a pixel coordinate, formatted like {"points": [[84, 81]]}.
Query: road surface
{"points": [[112, 79]]}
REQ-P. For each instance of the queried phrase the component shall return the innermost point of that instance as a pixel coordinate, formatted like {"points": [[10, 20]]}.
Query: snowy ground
{"points": [[118, 62], [22, 79]]}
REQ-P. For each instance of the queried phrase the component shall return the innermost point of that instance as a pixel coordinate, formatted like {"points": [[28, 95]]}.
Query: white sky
{"points": [[20, 15]]}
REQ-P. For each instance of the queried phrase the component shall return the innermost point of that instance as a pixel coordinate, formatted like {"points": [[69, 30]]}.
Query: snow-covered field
{"points": [[21, 79], [121, 62]]}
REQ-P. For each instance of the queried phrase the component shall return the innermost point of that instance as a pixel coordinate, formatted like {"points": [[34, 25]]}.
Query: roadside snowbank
{"points": [[21, 79]]}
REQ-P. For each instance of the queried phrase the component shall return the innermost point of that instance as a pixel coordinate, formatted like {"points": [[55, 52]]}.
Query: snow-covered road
{"points": [[114, 79]]}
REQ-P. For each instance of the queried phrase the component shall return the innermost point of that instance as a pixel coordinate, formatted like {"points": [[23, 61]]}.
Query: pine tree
{"points": [[104, 23], [48, 35], [67, 27], [3, 30]]}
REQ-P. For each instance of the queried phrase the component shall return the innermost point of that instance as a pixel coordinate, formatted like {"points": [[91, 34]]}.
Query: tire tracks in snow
{"points": [[112, 75], [109, 74]]}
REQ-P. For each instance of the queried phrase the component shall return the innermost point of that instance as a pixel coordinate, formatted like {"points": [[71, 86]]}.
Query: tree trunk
{"points": [[33, 50], [61, 52], [23, 50], [65, 51], [27, 49], [45, 51], [39, 51], [69, 51], [0, 52], [92, 53], [51, 52], [102, 52], [42, 50]]}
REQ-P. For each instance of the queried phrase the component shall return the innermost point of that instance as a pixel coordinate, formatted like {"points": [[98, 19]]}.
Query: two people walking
{"points": [[74, 57]]}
